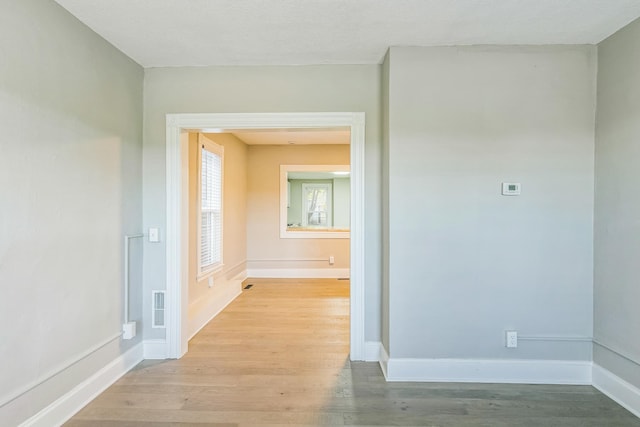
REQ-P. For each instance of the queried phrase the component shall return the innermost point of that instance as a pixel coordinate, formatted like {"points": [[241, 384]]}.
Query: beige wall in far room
{"points": [[263, 209]]}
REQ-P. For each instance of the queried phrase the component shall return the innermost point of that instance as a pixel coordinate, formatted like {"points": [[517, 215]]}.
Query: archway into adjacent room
{"points": [[178, 125]]}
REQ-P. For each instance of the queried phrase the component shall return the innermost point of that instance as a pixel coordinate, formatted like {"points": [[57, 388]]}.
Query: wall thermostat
{"points": [[510, 188]]}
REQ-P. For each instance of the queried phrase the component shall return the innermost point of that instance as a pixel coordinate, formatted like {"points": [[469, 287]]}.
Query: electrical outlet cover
{"points": [[511, 339]]}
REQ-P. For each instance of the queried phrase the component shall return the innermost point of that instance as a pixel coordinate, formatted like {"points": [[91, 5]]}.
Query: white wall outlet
{"points": [[511, 339], [210, 281], [332, 260], [154, 235]]}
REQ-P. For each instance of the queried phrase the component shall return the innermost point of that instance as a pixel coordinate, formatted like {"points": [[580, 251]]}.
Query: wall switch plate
{"points": [[210, 281], [332, 260], [511, 339], [154, 235], [511, 188]]}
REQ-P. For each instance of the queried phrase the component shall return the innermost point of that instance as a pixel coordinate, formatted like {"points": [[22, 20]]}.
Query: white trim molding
{"points": [[625, 394], [208, 313], [4, 400], [384, 361], [63, 408], [489, 371], [373, 351], [155, 349], [176, 126], [298, 273], [205, 309]]}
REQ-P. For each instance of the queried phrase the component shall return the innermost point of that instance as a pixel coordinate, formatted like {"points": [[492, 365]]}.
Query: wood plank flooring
{"points": [[278, 356]]}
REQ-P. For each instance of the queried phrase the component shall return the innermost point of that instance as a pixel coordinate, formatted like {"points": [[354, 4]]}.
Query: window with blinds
{"points": [[211, 164]]}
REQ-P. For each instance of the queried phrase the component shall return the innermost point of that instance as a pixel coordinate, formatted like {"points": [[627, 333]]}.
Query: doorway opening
{"points": [[178, 127]]}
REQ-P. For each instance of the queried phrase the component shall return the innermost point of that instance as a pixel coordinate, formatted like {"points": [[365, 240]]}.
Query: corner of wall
{"points": [[623, 393]]}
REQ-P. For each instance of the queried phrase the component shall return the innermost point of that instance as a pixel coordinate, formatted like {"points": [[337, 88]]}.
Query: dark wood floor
{"points": [[278, 356]]}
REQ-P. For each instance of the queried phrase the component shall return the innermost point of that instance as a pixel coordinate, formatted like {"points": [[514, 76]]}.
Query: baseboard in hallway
{"points": [[299, 273]]}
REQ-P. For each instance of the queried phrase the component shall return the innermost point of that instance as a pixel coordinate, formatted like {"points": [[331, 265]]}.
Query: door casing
{"points": [[177, 127]]}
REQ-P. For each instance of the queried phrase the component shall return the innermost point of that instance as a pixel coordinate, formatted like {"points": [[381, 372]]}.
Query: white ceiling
{"points": [[159, 33], [294, 137]]}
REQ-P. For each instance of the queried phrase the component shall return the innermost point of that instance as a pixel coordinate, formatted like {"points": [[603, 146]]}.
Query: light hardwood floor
{"points": [[278, 356]]}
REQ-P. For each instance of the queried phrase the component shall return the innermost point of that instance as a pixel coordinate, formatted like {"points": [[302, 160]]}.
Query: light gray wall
{"points": [[465, 262], [294, 209], [341, 202], [262, 89], [384, 299], [70, 186], [617, 205]]}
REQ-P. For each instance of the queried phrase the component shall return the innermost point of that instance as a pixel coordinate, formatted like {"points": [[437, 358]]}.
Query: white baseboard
{"points": [[625, 394], [298, 273], [205, 309], [384, 361], [372, 351], [155, 349], [71, 402], [489, 371], [213, 309]]}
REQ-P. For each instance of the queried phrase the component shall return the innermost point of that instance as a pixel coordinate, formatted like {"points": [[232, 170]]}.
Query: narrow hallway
{"points": [[275, 355]]}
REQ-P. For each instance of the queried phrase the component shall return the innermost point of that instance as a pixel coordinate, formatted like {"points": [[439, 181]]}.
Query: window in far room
{"points": [[316, 205], [210, 205]]}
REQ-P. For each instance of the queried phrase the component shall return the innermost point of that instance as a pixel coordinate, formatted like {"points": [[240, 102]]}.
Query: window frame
{"points": [[216, 149], [328, 187], [285, 233]]}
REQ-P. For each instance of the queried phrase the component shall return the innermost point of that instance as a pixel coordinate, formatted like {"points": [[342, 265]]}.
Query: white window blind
{"points": [[210, 209]]}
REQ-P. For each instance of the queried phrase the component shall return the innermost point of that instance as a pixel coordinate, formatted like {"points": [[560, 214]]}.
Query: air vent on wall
{"points": [[158, 312]]}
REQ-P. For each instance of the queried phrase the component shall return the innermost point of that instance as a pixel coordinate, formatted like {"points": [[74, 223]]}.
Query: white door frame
{"points": [[177, 221]]}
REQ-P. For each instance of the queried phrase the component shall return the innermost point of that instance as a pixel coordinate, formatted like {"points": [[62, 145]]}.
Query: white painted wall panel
{"points": [[617, 204], [71, 187], [467, 263]]}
